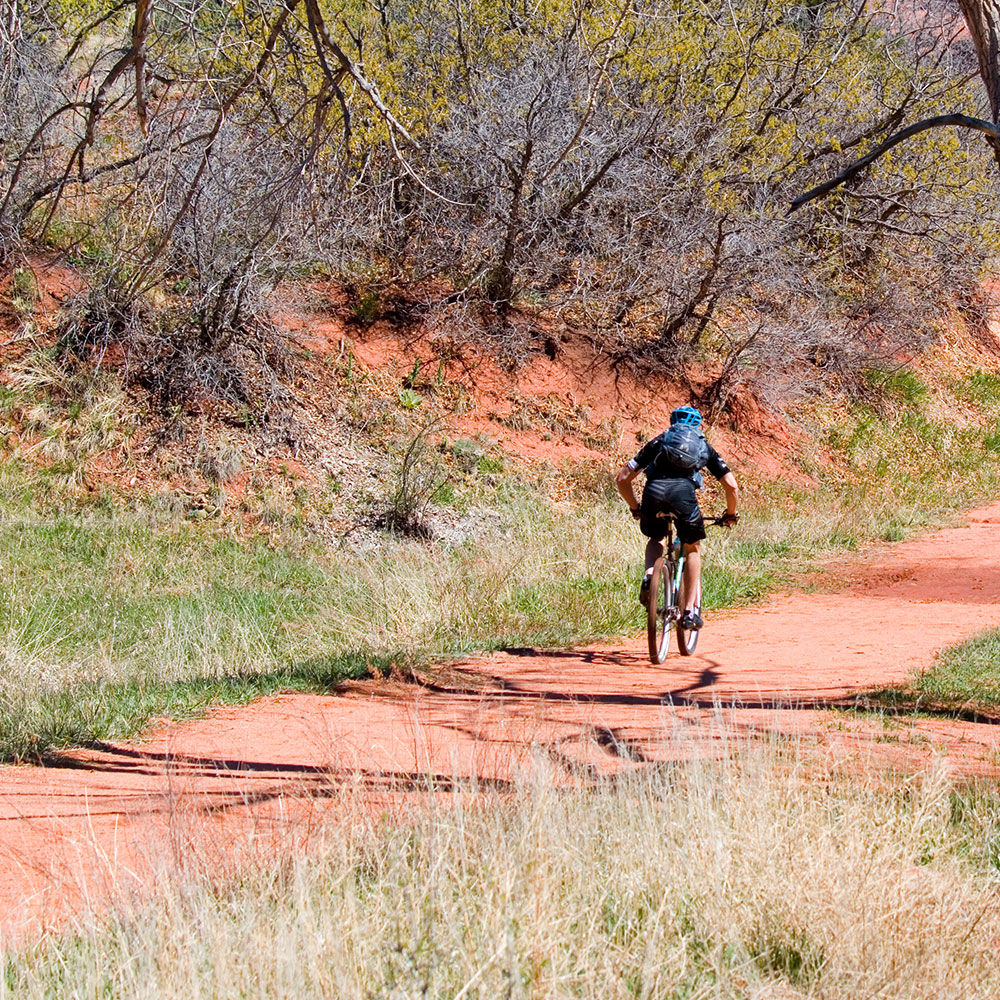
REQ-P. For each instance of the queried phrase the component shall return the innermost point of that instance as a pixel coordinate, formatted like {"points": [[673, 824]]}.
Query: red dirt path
{"points": [[256, 780]]}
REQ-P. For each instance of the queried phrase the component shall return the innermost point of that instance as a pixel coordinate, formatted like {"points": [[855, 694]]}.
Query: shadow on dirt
{"points": [[894, 701], [539, 713], [266, 781]]}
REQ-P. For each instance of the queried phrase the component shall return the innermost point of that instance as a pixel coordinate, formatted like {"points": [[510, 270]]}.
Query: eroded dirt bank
{"points": [[257, 780]]}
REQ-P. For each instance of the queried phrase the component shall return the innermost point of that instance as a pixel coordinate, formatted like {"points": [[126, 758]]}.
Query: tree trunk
{"points": [[982, 17]]}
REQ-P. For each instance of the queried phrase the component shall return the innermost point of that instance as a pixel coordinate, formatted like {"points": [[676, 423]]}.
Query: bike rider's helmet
{"points": [[686, 415]]}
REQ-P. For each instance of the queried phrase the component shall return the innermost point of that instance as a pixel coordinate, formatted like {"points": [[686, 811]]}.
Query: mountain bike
{"points": [[668, 598]]}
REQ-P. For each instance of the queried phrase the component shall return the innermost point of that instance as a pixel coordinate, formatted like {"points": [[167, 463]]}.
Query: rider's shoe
{"points": [[691, 621], [644, 589]]}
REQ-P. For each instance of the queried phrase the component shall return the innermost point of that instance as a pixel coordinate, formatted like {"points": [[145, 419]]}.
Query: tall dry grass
{"points": [[758, 875]]}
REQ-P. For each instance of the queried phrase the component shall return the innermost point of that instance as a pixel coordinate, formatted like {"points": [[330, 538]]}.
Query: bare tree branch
{"points": [[990, 129]]}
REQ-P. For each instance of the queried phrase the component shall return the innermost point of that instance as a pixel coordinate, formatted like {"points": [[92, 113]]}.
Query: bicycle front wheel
{"points": [[661, 609]]}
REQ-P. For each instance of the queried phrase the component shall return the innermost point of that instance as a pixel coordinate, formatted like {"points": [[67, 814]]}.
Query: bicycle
{"points": [[667, 599]]}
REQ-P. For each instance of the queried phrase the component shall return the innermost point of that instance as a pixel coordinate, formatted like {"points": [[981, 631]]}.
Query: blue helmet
{"points": [[686, 415]]}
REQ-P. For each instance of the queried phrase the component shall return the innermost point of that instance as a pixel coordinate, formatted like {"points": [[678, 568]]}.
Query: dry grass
{"points": [[66, 417], [754, 876]]}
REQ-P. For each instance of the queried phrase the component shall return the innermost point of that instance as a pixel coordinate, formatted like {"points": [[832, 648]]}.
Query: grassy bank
{"points": [[753, 876], [113, 611], [964, 682]]}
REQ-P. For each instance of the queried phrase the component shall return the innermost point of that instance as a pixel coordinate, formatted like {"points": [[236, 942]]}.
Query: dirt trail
{"points": [[255, 780]]}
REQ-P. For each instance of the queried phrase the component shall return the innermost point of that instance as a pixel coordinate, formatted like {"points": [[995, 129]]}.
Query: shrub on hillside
{"points": [[627, 167]]}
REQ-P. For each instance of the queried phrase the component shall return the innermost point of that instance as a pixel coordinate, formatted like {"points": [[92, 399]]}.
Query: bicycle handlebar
{"points": [[712, 521], [721, 520]]}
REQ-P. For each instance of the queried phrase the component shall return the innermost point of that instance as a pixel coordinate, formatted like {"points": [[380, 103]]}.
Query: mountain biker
{"points": [[672, 481]]}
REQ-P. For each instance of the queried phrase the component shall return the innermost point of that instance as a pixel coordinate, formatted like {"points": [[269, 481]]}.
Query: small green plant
{"points": [[900, 385], [8, 399], [788, 953], [409, 399], [844, 540], [421, 475], [445, 494], [410, 381], [490, 464], [24, 291], [893, 532], [366, 309]]}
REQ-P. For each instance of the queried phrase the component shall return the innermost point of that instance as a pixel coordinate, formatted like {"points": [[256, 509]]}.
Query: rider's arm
{"points": [[732, 492], [623, 483], [717, 466]]}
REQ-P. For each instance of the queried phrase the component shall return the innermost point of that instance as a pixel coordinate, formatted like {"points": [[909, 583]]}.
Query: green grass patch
{"points": [[963, 682], [980, 388], [37, 723], [900, 384], [964, 675]]}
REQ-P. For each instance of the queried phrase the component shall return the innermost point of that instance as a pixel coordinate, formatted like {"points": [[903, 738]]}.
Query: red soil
{"points": [[258, 780], [565, 400], [572, 401]]}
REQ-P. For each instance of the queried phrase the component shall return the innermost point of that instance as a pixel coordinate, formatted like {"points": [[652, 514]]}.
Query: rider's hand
{"points": [[636, 512], [728, 520]]}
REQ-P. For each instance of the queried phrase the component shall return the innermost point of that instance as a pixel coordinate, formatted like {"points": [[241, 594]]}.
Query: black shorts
{"points": [[671, 496]]}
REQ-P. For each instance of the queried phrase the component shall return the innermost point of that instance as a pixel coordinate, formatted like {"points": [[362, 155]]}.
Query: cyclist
{"points": [[673, 462]]}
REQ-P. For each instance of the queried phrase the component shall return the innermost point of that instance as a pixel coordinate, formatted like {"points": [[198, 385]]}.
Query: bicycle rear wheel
{"points": [[660, 609], [687, 638]]}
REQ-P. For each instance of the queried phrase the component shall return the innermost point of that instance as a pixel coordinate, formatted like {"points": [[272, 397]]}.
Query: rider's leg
{"points": [[692, 574], [654, 549]]}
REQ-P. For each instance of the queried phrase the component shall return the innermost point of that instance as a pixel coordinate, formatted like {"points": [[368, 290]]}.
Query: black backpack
{"points": [[684, 447]]}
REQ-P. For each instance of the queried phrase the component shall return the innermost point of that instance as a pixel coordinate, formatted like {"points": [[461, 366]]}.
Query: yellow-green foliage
{"points": [[629, 165], [739, 100], [732, 66]]}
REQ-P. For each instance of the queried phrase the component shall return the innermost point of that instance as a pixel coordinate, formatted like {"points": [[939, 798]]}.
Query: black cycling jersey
{"points": [[657, 466]]}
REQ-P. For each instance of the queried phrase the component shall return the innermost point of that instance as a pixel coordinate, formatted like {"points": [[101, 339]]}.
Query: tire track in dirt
{"points": [[256, 781]]}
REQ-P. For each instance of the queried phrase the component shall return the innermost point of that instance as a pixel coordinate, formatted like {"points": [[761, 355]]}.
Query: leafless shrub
{"points": [[419, 477], [651, 203], [625, 167], [92, 320], [171, 155]]}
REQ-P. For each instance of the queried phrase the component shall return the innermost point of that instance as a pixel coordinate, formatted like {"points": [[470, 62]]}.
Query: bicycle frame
{"points": [[679, 559]]}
